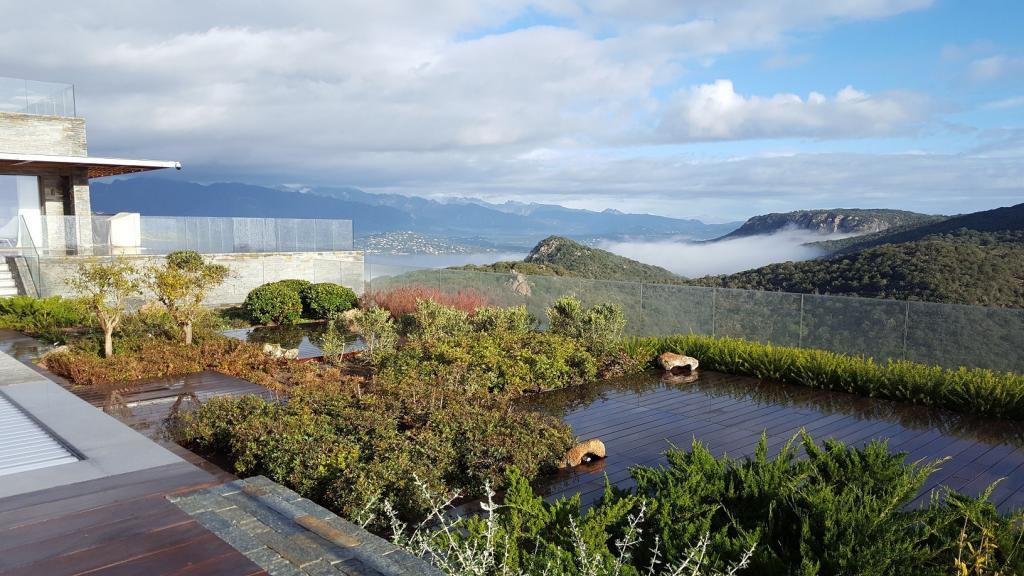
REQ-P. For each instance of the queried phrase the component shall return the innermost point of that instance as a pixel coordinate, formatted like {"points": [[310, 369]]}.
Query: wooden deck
{"points": [[116, 525], [639, 419]]}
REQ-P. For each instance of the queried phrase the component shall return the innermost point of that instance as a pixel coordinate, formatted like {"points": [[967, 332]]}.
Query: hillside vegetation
{"points": [[972, 259], [839, 220], [558, 256]]}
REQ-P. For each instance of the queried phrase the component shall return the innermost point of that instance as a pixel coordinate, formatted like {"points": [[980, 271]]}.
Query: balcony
{"points": [[21, 96]]}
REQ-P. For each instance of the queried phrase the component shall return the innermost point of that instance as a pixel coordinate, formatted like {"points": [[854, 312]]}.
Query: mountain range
{"points": [[511, 223], [974, 258]]}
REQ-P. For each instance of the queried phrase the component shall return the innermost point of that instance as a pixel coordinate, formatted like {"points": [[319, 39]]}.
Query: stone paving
{"points": [[287, 535]]}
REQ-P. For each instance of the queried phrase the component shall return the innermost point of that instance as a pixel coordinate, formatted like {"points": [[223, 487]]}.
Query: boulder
{"points": [[677, 363], [519, 284], [349, 319], [584, 452], [291, 354]]}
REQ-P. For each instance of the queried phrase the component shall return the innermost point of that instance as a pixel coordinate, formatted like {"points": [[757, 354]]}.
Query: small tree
{"points": [[106, 287], [379, 334], [182, 284]]}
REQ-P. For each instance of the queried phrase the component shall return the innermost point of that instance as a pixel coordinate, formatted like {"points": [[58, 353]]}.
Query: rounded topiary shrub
{"points": [[275, 303], [294, 284], [327, 301]]}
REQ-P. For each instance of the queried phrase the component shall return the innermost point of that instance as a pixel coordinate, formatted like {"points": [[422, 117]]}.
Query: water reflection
{"points": [[306, 337], [716, 385]]}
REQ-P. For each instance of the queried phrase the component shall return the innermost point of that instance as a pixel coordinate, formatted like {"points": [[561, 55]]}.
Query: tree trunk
{"points": [[188, 333], [108, 342]]}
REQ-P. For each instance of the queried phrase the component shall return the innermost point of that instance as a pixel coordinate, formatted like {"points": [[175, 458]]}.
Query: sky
{"points": [[706, 109]]}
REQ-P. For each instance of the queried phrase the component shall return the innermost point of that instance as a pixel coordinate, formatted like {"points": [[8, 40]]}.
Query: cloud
{"points": [[694, 260], [1005, 104], [717, 112], [992, 68]]}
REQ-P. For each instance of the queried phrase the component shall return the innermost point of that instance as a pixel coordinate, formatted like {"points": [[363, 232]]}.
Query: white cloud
{"points": [[693, 260], [995, 67], [1005, 103], [717, 112]]}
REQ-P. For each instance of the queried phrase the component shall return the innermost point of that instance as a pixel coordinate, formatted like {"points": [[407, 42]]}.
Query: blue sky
{"points": [[709, 109]]}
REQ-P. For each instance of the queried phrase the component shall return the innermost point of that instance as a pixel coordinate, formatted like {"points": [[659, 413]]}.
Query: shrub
{"points": [[45, 317], [294, 284], [327, 301], [344, 451], [274, 303], [402, 300], [832, 510], [496, 352], [377, 329], [978, 391], [599, 327]]}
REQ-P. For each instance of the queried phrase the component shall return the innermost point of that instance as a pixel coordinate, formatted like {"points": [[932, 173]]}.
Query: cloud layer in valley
{"points": [[696, 259]]}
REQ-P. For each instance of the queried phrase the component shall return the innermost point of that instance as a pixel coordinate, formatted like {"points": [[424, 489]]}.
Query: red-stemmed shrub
{"points": [[402, 300]]}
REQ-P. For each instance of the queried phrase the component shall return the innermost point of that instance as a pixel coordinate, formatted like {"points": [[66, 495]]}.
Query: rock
{"points": [[677, 363], [291, 354], [519, 284], [349, 319], [584, 452]]}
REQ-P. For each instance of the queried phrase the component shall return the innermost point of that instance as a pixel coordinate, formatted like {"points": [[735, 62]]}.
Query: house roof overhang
{"points": [[95, 167]]}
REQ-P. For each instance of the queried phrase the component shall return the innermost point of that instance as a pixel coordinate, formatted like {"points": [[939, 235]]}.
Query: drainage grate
{"points": [[24, 444]]}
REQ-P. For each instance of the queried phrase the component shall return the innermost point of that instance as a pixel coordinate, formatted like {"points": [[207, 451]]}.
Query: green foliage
{"points": [[105, 288], [343, 451], [48, 318], [832, 510], [599, 328], [379, 334], [327, 301], [182, 284], [332, 343], [276, 302], [978, 391], [294, 284], [493, 350], [558, 256], [963, 267]]}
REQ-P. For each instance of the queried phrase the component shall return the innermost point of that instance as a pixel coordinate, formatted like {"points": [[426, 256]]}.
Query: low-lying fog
{"points": [[693, 260]]}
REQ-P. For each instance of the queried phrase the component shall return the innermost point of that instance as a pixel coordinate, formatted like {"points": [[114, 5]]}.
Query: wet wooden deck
{"points": [[116, 525], [641, 418]]}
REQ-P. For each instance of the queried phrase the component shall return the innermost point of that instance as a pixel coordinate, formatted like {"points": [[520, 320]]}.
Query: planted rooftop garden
{"points": [[441, 407]]}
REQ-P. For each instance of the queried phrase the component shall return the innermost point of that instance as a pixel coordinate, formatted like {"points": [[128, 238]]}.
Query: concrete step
{"points": [[6, 281], [8, 291], [284, 533]]}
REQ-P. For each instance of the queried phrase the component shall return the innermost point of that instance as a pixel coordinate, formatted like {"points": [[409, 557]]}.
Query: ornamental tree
{"points": [[106, 287], [182, 284]]}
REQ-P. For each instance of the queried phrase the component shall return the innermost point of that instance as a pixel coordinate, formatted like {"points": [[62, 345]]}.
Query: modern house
{"points": [[47, 225]]}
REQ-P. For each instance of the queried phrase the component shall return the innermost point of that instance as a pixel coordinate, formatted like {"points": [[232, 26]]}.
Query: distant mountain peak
{"points": [[831, 221]]}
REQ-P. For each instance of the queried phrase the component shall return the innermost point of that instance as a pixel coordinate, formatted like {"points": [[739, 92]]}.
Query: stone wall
{"points": [[50, 135], [247, 271]]}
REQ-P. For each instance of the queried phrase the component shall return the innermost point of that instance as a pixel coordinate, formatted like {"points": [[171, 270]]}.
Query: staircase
{"points": [[7, 285]]}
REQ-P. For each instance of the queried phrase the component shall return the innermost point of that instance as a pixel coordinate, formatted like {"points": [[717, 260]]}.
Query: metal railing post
{"points": [[906, 327], [800, 337]]}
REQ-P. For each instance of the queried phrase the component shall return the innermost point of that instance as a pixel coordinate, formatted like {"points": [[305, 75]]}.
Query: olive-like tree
{"points": [[106, 287], [182, 284]]}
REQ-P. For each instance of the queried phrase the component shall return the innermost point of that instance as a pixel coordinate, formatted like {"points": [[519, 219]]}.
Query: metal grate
{"points": [[24, 444]]}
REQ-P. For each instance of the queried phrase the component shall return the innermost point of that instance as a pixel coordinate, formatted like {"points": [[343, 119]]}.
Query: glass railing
{"points": [[28, 252], [131, 234], [946, 335], [34, 97]]}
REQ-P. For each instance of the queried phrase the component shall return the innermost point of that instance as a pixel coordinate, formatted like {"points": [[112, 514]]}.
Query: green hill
{"points": [[971, 259], [838, 220], [558, 256]]}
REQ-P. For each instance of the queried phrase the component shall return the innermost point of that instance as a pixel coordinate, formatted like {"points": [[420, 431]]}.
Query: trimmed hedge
{"points": [[277, 303], [972, 390], [327, 301]]}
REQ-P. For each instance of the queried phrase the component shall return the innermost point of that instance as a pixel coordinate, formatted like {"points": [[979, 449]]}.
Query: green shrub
{"points": [[514, 320], [377, 329], [294, 284], [45, 317], [327, 301], [275, 303], [433, 321], [972, 390], [343, 451], [833, 509], [599, 327]]}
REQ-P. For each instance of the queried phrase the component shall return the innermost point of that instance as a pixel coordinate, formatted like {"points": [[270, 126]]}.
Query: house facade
{"points": [[48, 227]]}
